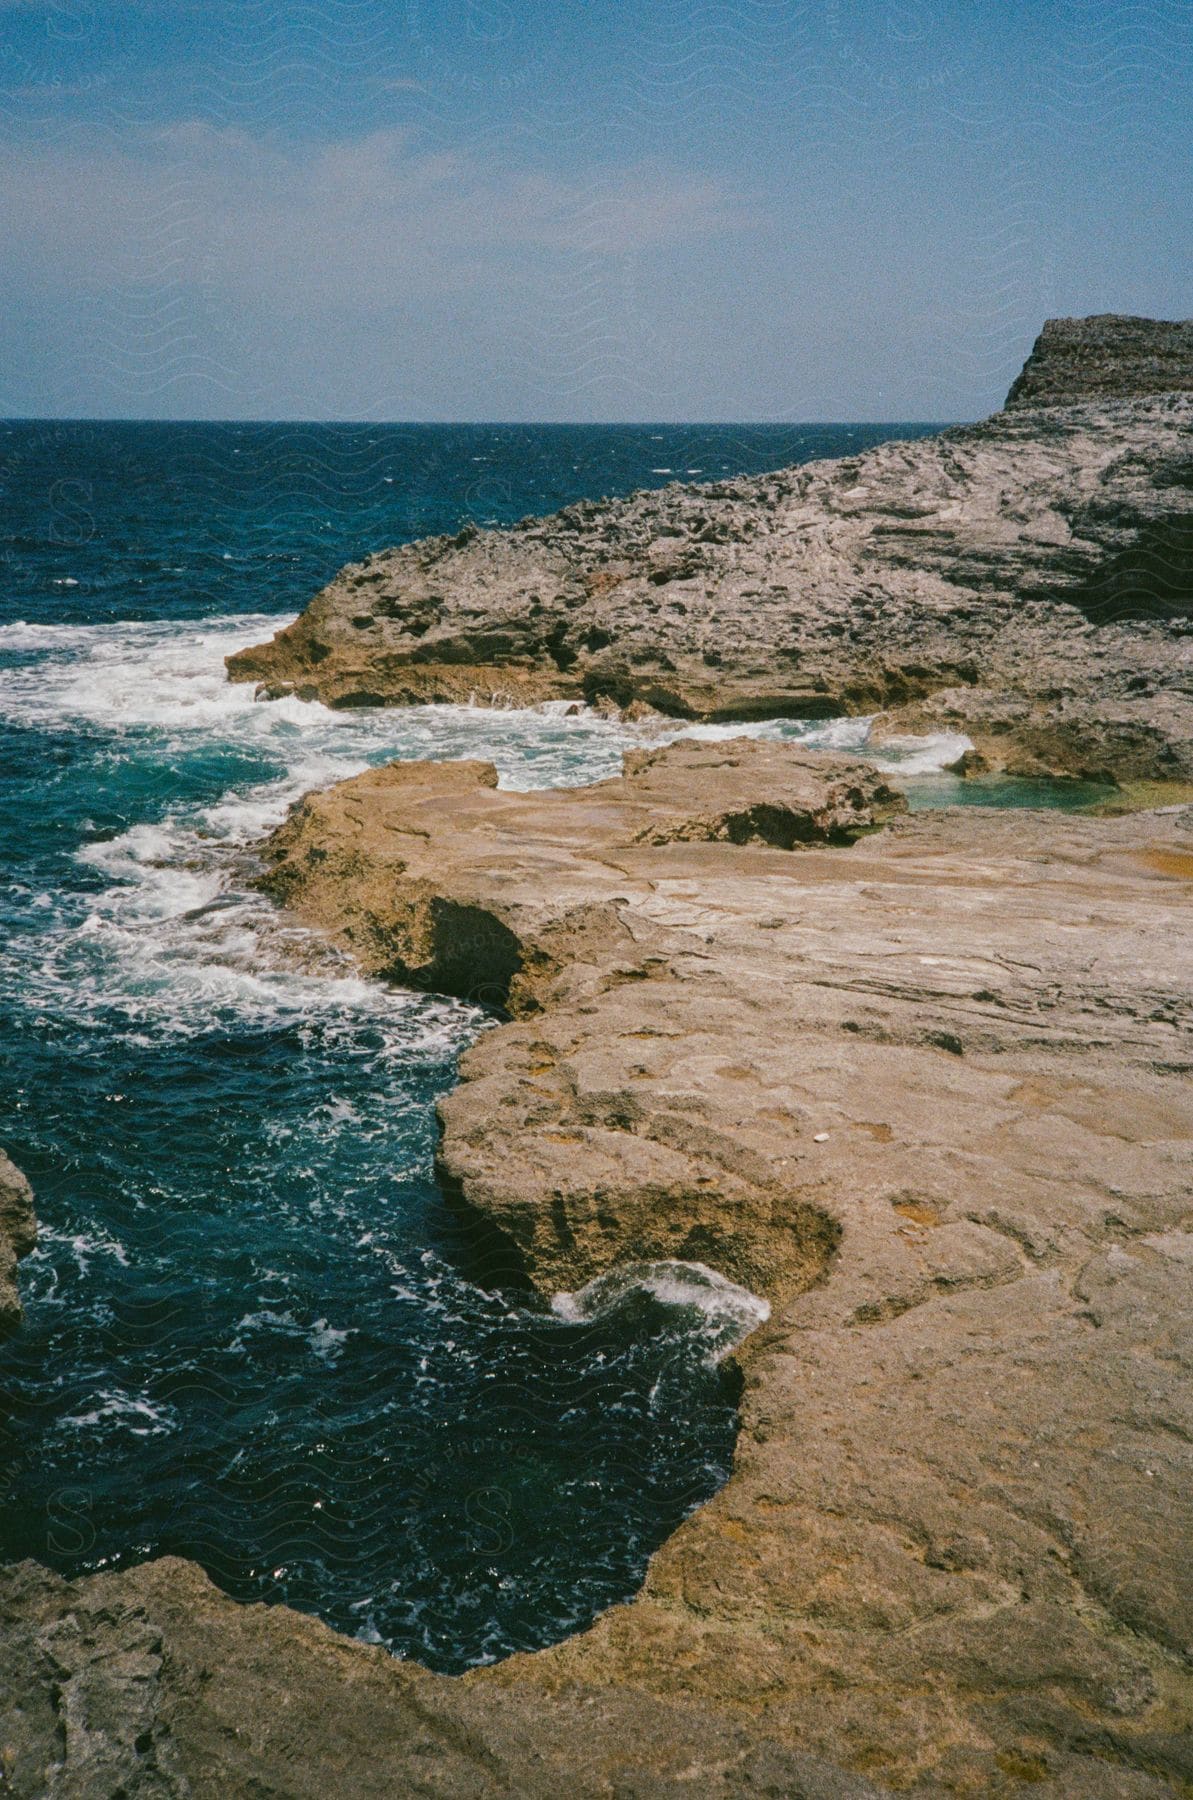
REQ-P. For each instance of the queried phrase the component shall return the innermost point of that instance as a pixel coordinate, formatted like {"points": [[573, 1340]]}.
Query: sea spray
{"points": [[693, 1304]]}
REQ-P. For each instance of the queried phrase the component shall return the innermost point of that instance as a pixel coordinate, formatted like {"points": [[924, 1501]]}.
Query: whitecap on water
{"points": [[134, 1413], [327, 1341], [175, 929]]}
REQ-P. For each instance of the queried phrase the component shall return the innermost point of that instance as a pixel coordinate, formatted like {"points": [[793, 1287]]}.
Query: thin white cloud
{"points": [[368, 273], [352, 221]]}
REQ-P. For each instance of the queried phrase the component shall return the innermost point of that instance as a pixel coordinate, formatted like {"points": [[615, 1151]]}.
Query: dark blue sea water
{"points": [[254, 1335]]}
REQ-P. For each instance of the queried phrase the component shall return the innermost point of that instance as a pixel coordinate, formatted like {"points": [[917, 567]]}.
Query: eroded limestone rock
{"points": [[928, 1092], [1036, 568], [153, 1685]]}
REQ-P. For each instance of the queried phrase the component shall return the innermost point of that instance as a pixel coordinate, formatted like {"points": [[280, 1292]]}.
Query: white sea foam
{"points": [[83, 1245], [133, 1412], [177, 935], [170, 678], [327, 1341], [727, 1313], [845, 737]]}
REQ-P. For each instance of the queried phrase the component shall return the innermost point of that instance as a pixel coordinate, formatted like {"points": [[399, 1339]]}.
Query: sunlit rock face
{"points": [[1028, 577], [1109, 356]]}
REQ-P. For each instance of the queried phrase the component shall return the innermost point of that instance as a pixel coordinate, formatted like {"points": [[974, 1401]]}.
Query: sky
{"points": [[577, 209]]}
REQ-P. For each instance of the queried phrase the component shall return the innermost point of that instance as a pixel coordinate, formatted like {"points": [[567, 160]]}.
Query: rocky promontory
{"points": [[1027, 580], [921, 1081], [1110, 355]]}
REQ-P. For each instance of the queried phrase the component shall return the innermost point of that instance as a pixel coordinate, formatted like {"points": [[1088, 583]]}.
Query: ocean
{"points": [[254, 1334]]}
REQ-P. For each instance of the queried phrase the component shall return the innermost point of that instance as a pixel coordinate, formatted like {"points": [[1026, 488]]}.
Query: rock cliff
{"points": [[1108, 356], [1029, 578]]}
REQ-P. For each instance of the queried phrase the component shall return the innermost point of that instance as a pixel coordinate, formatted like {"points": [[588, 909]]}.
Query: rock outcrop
{"points": [[386, 863], [154, 1685], [928, 1092], [1107, 356], [1031, 577], [18, 1234]]}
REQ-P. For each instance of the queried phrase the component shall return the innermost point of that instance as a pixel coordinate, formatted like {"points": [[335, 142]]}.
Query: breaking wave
{"points": [[701, 1303]]}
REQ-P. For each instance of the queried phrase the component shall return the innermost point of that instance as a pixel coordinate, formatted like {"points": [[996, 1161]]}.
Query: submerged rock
{"points": [[1035, 571]]}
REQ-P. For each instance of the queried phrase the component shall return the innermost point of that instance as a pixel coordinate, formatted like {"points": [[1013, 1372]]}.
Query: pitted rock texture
{"points": [[929, 1093], [1038, 565], [18, 1234], [152, 1685], [1107, 355]]}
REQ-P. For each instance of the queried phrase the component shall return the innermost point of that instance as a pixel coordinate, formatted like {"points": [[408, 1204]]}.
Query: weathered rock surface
{"points": [[18, 1234], [929, 1093], [1109, 354], [388, 862], [1035, 571], [153, 1685]]}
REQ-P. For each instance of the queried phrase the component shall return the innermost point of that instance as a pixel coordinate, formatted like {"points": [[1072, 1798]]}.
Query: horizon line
{"points": [[474, 424]]}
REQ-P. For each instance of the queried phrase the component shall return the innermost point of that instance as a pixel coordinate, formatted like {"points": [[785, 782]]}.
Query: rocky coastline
{"points": [[1025, 580], [927, 1093], [919, 1080], [925, 1088]]}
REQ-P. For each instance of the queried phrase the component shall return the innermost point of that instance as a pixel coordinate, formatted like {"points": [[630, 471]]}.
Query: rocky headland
{"points": [[18, 1233], [1108, 355], [1026, 580], [919, 1080]]}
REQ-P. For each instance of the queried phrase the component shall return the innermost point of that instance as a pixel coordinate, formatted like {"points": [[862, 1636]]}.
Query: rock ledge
{"points": [[928, 1091], [1028, 580]]}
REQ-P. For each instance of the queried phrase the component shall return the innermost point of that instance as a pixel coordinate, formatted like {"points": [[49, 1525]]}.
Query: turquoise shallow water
{"points": [[929, 791], [254, 1335]]}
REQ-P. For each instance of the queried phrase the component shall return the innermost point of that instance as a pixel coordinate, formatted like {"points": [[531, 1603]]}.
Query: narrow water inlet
{"points": [[251, 1335], [286, 1383], [251, 1338]]}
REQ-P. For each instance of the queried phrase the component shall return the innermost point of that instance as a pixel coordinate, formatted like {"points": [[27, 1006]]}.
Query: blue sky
{"points": [[490, 209]]}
